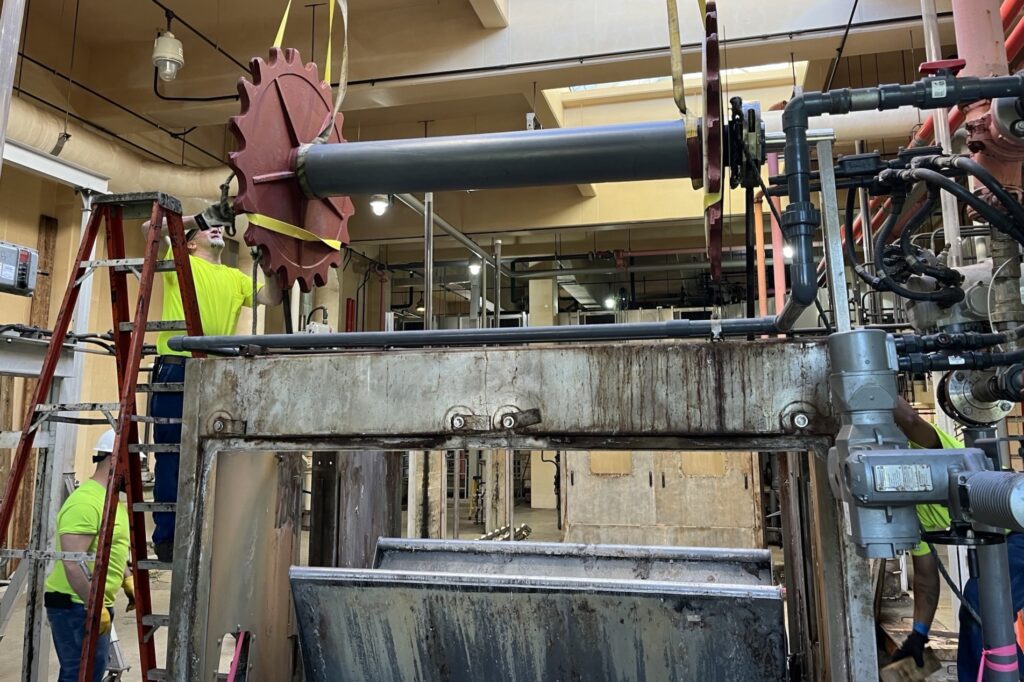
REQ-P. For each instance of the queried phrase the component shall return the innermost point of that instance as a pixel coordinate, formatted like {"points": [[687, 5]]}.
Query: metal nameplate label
{"points": [[911, 478]]}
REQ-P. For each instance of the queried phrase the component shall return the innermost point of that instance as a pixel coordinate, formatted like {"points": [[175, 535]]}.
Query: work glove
{"points": [[217, 215], [128, 585], [913, 646], [104, 621]]}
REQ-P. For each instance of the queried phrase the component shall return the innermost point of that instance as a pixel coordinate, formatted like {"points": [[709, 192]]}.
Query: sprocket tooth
{"points": [[291, 56], [276, 55], [256, 67]]}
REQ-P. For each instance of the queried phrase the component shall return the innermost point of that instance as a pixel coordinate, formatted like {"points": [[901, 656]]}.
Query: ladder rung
{"points": [[127, 264], [77, 407], [160, 388], [154, 506], [165, 326], [46, 554], [154, 447], [156, 620], [154, 565], [156, 674], [81, 421], [155, 420]]}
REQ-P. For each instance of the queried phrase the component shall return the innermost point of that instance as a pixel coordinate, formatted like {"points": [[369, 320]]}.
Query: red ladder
{"points": [[129, 337]]}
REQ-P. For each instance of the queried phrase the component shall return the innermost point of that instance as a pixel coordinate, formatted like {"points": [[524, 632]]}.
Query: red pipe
{"points": [[925, 134], [778, 262], [350, 314], [1009, 11]]}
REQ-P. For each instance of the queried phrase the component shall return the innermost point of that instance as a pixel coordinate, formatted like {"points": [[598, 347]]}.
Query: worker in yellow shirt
{"points": [[221, 291], [934, 517], [67, 587]]}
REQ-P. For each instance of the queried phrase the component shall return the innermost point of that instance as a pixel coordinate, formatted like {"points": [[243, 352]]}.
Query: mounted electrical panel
{"points": [[18, 268]]}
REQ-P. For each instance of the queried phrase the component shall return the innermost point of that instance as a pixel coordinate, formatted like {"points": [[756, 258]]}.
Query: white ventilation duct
{"points": [[128, 171], [858, 125]]}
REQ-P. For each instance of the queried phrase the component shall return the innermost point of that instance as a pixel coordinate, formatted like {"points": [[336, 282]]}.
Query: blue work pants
{"points": [[67, 626], [165, 474], [968, 655]]}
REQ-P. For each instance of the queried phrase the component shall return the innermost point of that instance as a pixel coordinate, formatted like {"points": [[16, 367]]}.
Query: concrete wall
{"points": [[703, 499]]}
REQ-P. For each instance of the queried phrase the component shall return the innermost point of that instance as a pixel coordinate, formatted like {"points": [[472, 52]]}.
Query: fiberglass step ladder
{"points": [[129, 336]]}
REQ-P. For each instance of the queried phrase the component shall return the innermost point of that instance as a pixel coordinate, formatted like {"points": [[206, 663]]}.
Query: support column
{"points": [[495, 498], [844, 587], [356, 499]]}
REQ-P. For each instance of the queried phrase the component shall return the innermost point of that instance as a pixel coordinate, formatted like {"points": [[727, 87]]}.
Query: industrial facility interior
{"points": [[511, 340]]}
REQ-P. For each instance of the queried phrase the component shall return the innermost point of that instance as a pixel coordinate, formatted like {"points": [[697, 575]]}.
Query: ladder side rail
{"points": [[186, 284], [46, 373], [124, 430]]}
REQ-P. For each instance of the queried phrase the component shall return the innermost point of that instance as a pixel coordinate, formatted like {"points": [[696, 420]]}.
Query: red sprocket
{"points": [[285, 106], [711, 136]]}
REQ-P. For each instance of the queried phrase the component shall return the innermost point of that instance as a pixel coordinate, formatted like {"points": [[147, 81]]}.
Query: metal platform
{"points": [[473, 610], [568, 560]]}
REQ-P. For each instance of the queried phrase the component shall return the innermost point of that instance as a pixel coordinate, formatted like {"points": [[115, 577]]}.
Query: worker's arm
{"points": [[73, 569], [914, 427], [271, 292], [926, 589], [188, 222]]}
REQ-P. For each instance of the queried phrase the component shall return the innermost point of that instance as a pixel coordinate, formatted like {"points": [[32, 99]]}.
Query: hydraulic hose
{"points": [[986, 178], [917, 264], [851, 255]]}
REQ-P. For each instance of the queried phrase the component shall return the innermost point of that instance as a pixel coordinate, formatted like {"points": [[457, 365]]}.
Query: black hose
{"points": [[887, 283], [916, 263], [998, 191], [1000, 221], [851, 255]]}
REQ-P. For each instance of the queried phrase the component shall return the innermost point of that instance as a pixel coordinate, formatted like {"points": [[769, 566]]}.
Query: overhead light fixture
{"points": [[379, 203], [474, 268], [168, 56], [609, 303], [787, 251]]}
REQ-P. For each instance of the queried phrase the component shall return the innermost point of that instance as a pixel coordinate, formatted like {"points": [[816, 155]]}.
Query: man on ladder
{"points": [[67, 587], [221, 291]]}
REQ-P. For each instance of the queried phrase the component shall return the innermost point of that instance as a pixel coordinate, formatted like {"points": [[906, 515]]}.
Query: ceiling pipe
{"points": [[128, 171], [926, 133]]}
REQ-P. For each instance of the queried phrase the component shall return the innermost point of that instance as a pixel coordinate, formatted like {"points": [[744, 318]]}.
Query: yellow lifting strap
{"points": [[284, 22], [289, 230]]}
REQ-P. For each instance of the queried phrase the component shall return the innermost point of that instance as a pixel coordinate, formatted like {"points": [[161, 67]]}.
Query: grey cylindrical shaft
{"points": [[644, 151], [673, 329], [861, 350], [996, 608], [428, 261], [997, 499]]}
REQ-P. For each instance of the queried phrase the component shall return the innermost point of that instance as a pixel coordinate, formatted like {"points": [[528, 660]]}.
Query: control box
{"points": [[19, 266]]}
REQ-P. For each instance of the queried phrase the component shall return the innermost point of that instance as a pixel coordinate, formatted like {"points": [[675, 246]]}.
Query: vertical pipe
{"points": [[833, 239], [762, 274], [751, 239], [457, 494], [950, 214], [12, 15], [867, 239], [497, 282], [350, 314], [778, 262], [428, 260], [510, 491], [483, 293], [996, 610]]}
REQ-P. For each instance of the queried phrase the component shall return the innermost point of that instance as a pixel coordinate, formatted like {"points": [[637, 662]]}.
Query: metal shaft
{"points": [[497, 283], [672, 329], [569, 156], [428, 261], [996, 608]]}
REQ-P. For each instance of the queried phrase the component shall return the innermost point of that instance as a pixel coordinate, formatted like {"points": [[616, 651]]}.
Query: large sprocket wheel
{"points": [[711, 137], [285, 106]]}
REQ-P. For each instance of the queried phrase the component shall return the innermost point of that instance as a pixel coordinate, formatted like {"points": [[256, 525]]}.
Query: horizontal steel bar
{"points": [[165, 326], [154, 506], [46, 554], [672, 329], [127, 264], [154, 447], [160, 388], [153, 565], [562, 156], [77, 407]]}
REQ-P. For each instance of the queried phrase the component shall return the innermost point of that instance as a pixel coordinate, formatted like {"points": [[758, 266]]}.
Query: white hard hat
{"points": [[105, 442]]}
